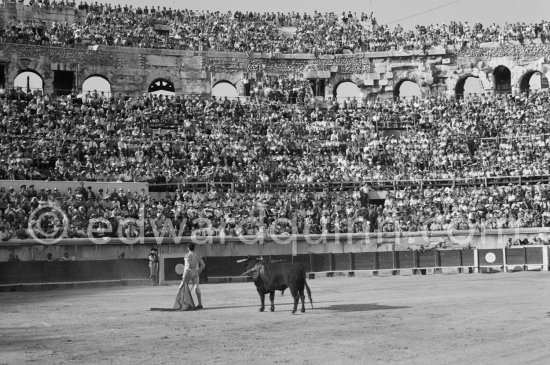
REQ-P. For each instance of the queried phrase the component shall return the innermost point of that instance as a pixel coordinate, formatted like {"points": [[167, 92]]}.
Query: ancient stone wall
{"points": [[132, 70]]}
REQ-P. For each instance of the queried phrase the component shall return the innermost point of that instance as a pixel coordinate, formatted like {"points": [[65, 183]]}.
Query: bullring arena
{"points": [[402, 170], [446, 319]]}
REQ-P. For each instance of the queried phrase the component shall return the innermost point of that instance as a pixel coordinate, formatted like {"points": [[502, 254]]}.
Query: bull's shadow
{"points": [[276, 305], [360, 307]]}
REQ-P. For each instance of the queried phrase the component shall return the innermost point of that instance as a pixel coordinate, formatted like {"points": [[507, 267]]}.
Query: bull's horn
{"points": [[241, 261]]}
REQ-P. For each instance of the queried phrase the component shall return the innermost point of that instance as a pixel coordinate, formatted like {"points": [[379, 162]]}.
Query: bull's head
{"points": [[252, 266]]}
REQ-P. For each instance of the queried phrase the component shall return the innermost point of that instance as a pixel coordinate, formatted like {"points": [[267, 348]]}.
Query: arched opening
{"points": [[469, 85], [162, 87], [533, 80], [407, 89], [346, 90], [29, 81], [503, 79], [96, 86], [224, 89]]}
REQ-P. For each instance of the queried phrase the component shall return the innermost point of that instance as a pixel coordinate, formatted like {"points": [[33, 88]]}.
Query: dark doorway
{"points": [[246, 87], [503, 79], [318, 87], [459, 88], [2, 77], [63, 82]]}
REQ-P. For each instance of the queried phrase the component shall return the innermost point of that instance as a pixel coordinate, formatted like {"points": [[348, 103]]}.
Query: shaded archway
{"points": [[162, 87], [469, 85], [63, 82], [533, 80], [503, 79], [407, 89], [346, 90], [96, 86], [318, 86], [223, 89], [29, 81], [2, 77]]}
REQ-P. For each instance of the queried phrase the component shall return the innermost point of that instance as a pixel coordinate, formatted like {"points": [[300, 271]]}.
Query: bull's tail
{"points": [[307, 288], [309, 294]]}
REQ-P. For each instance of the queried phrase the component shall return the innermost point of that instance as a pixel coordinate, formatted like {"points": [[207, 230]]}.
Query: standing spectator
{"points": [[154, 266]]}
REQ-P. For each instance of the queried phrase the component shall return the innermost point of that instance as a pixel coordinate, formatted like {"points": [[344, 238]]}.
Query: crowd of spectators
{"points": [[318, 33], [190, 138], [280, 135], [463, 208], [163, 139], [289, 90], [185, 213], [227, 213]]}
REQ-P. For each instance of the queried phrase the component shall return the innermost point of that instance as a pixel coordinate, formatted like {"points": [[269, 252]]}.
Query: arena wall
{"points": [[103, 264]]}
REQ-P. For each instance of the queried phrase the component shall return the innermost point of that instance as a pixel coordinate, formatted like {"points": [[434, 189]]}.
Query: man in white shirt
{"points": [[194, 265]]}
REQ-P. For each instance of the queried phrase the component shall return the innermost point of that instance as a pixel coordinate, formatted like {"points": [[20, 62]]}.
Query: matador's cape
{"points": [[184, 300]]}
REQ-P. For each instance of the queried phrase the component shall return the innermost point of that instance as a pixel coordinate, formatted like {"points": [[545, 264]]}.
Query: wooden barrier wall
{"points": [[125, 270], [93, 270], [65, 272]]}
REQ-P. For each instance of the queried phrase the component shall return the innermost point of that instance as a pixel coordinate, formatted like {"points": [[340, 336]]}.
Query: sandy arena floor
{"points": [[436, 319]]}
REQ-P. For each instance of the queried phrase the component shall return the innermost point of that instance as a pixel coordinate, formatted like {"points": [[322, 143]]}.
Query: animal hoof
{"points": [[272, 309], [293, 312], [303, 310], [261, 309]]}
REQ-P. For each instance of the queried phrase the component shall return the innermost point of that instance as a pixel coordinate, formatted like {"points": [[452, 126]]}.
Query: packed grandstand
{"points": [[321, 33], [277, 162]]}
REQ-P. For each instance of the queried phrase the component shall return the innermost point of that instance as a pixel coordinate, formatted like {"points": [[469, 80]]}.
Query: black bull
{"points": [[270, 277]]}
